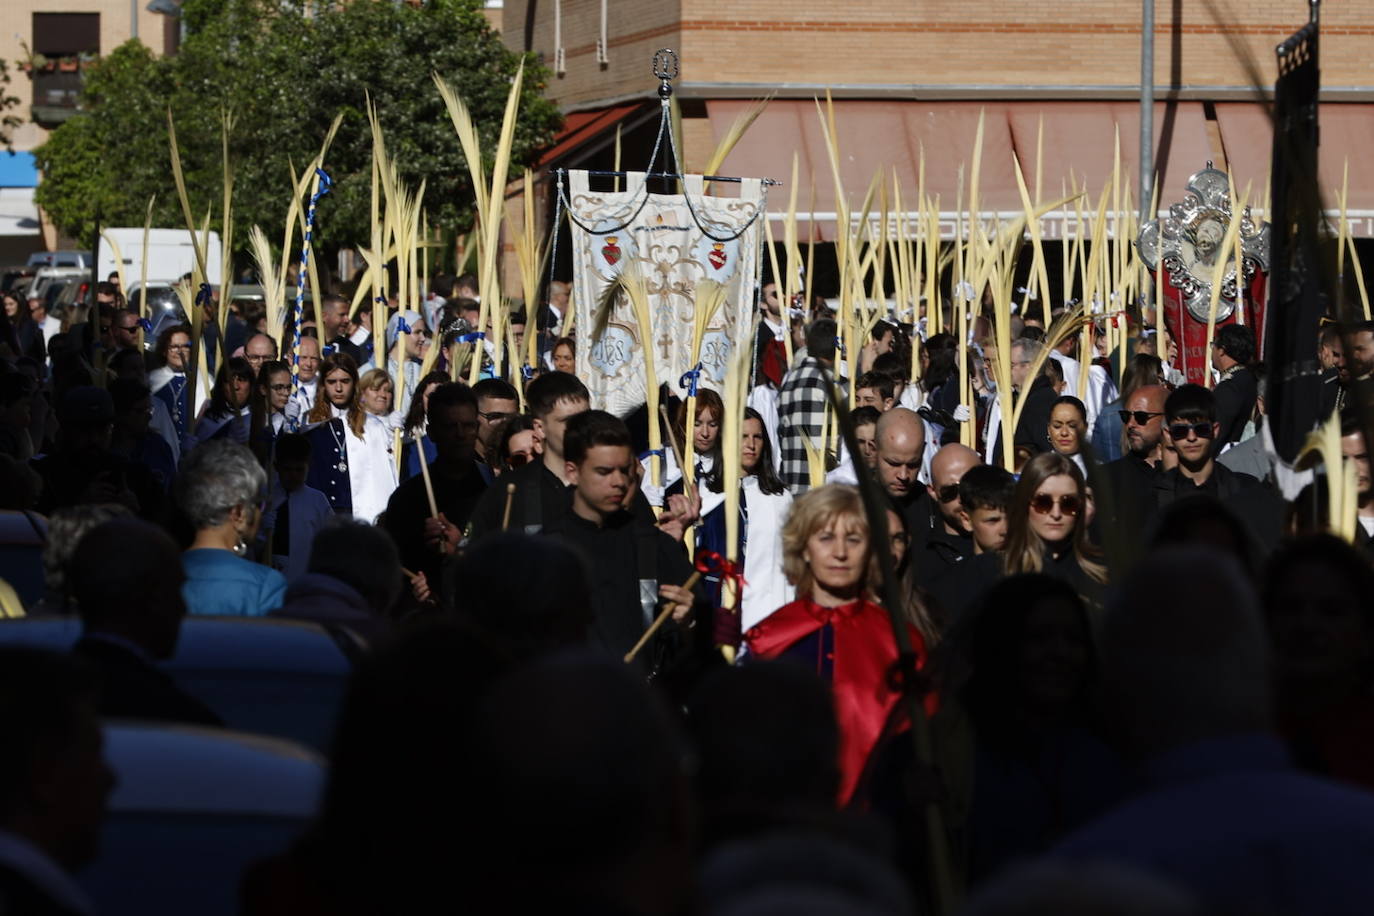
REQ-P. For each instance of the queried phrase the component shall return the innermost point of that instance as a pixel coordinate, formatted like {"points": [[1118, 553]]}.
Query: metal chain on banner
{"points": [[325, 183]]}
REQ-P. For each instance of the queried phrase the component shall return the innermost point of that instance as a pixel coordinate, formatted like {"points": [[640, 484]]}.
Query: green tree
{"points": [[285, 69]]}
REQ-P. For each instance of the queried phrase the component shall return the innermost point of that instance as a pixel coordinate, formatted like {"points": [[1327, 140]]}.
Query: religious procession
{"points": [[648, 517]]}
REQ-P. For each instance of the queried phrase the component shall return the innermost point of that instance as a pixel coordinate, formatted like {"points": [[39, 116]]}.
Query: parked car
{"points": [[191, 810], [15, 278], [48, 282], [80, 259], [271, 677]]}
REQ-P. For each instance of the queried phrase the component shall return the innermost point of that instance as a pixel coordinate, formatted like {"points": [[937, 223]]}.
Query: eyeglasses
{"points": [[1141, 417], [178, 346], [1181, 430], [1043, 504], [129, 327], [493, 416], [948, 493], [518, 459]]}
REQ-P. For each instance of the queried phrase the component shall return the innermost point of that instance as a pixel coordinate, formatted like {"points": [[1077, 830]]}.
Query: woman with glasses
{"points": [[271, 394], [835, 627], [221, 490], [351, 452], [168, 381], [763, 507], [1047, 526]]}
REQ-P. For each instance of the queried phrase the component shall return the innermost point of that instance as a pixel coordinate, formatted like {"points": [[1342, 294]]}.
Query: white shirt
{"points": [[51, 325], [22, 856], [371, 468], [768, 588], [309, 510]]}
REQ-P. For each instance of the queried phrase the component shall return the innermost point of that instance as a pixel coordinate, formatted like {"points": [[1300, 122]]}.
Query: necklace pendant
{"points": [[343, 467]]}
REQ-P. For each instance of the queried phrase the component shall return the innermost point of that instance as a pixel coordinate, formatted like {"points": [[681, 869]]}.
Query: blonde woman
{"points": [[835, 626]]}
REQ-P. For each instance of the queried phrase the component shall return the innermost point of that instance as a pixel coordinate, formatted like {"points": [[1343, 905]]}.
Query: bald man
{"points": [[304, 397], [946, 541], [901, 444], [1131, 477], [259, 349]]}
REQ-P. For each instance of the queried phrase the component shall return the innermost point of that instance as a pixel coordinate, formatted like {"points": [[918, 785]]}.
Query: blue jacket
{"points": [[218, 583]]}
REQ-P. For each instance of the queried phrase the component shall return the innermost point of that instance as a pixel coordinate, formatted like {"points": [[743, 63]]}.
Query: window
{"points": [[66, 34]]}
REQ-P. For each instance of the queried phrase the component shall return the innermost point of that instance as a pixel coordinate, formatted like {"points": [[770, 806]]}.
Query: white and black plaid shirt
{"points": [[802, 406]]}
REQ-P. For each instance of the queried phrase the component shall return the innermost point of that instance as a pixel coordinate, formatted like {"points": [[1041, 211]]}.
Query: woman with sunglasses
{"points": [[351, 454], [1047, 526], [516, 443], [835, 627]]}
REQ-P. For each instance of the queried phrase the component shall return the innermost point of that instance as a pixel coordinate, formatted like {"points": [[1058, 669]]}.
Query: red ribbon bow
{"points": [[710, 563]]}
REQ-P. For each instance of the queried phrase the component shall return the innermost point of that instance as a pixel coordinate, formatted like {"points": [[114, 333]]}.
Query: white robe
{"points": [[767, 588], [371, 467]]}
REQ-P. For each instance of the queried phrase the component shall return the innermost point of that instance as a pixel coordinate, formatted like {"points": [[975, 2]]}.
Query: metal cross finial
{"points": [[665, 70]]}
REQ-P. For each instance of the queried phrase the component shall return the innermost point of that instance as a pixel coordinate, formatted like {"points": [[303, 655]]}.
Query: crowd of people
{"points": [[1131, 673]]}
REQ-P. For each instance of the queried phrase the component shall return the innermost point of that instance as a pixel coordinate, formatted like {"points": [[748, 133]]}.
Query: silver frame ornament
{"points": [[1188, 239]]}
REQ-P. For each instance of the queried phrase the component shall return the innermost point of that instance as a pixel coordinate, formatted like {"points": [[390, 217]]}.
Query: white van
{"points": [[170, 255]]}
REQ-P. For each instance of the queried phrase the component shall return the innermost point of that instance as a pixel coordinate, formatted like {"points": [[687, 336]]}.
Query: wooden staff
{"points": [[424, 471], [672, 434], [505, 515], [661, 619]]}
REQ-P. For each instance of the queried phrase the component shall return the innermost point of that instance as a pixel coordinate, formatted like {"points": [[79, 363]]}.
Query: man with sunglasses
{"points": [[1131, 477], [946, 540], [497, 402], [1190, 427]]}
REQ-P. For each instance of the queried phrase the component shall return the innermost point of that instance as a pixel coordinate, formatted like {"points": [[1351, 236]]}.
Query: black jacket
{"points": [[131, 688], [20, 896], [1235, 399], [1033, 429]]}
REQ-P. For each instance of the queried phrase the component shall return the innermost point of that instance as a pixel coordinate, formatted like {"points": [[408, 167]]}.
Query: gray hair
{"points": [[215, 478], [1192, 663], [1030, 349], [66, 528]]}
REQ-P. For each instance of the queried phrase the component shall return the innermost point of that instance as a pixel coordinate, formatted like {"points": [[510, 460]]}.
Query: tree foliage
{"points": [[8, 119], [285, 69]]}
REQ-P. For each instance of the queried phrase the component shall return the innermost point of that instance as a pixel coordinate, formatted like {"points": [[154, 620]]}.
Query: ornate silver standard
{"points": [[1189, 238]]}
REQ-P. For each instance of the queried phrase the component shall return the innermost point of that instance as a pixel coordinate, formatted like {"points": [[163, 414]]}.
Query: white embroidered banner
{"points": [[673, 241]]}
